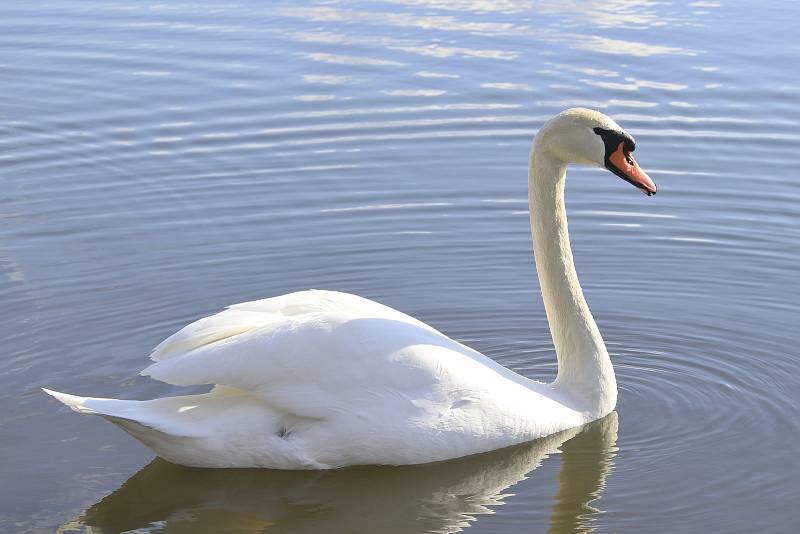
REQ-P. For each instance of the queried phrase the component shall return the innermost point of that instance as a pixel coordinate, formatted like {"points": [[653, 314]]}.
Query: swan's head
{"points": [[583, 136]]}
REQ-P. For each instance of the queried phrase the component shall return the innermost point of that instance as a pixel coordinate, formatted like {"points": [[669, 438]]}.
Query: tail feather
{"points": [[201, 430], [79, 404], [120, 409], [140, 419], [132, 416]]}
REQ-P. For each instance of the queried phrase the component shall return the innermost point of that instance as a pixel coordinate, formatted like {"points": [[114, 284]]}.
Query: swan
{"points": [[322, 379]]}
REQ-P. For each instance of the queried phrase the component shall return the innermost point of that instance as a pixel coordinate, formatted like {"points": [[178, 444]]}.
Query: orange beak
{"points": [[623, 165]]}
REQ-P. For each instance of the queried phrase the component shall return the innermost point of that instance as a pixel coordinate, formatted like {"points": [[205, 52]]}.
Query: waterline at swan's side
{"points": [[321, 379], [442, 497]]}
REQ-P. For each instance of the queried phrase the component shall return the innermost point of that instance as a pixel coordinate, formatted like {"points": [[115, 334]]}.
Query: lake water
{"points": [[162, 160]]}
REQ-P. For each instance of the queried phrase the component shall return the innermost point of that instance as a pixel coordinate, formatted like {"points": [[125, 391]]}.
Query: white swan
{"points": [[320, 379]]}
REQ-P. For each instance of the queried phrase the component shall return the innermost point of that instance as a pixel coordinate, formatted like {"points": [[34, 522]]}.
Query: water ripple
{"points": [[161, 161]]}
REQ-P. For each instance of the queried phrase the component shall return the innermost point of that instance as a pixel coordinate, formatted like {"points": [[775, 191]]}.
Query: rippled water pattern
{"points": [[162, 160]]}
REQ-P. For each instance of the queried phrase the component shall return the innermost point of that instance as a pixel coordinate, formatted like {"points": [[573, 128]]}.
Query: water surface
{"points": [[162, 160]]}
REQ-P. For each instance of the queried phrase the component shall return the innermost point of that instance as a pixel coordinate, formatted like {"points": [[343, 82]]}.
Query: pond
{"points": [[160, 161]]}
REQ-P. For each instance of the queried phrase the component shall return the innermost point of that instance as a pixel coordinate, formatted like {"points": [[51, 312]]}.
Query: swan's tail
{"points": [[196, 429], [87, 405], [111, 409], [137, 418]]}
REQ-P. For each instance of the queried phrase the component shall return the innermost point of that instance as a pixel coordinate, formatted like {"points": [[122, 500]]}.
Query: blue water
{"points": [[160, 161]]}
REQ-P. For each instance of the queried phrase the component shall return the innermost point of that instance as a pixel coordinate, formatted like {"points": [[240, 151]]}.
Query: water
{"points": [[160, 161]]}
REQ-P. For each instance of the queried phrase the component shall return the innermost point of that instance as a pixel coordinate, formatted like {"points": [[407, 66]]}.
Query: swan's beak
{"points": [[621, 163]]}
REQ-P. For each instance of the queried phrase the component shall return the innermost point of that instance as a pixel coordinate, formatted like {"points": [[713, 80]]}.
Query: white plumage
{"points": [[322, 379]]}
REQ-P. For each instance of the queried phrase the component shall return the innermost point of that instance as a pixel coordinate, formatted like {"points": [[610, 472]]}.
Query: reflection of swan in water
{"points": [[585, 462], [440, 497]]}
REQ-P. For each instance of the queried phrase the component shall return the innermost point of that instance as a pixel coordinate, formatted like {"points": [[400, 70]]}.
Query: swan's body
{"points": [[321, 379]]}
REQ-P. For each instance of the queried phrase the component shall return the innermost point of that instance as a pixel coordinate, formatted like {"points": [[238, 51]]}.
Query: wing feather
{"points": [[309, 354]]}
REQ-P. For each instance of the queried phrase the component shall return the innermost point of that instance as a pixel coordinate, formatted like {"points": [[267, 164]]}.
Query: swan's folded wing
{"points": [[247, 316], [314, 358], [209, 330]]}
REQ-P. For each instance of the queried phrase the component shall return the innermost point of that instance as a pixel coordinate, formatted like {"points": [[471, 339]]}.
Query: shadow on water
{"points": [[442, 497]]}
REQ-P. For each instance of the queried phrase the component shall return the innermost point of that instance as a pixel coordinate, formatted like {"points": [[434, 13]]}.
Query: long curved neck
{"points": [[584, 368]]}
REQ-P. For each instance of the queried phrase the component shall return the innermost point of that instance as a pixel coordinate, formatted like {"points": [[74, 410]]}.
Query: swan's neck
{"points": [[585, 373]]}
